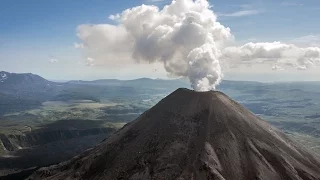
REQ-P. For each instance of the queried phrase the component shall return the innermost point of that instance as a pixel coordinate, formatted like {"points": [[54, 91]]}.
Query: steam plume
{"points": [[187, 39], [184, 36]]}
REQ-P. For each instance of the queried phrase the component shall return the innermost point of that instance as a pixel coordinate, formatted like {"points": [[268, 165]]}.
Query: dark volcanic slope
{"points": [[192, 135]]}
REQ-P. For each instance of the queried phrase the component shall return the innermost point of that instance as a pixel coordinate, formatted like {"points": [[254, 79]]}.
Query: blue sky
{"points": [[33, 32]]}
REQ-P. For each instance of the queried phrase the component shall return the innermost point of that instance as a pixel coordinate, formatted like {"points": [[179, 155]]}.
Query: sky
{"points": [[39, 36]]}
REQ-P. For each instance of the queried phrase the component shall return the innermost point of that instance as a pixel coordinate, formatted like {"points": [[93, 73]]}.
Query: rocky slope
{"points": [[37, 149], [192, 135], [19, 141]]}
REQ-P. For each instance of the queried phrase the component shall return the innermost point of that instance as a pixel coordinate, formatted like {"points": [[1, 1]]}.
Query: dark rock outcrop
{"points": [[44, 148], [13, 142]]}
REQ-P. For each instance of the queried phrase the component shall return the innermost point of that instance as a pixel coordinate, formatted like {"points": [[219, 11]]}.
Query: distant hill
{"points": [[26, 90], [19, 92], [7, 78], [140, 83], [27, 86]]}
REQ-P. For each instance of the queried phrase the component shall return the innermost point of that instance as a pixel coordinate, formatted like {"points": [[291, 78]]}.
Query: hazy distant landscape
{"points": [[291, 106], [53, 121]]}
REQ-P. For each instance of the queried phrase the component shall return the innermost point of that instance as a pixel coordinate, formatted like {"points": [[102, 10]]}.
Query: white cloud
{"points": [[114, 17], [308, 40], [243, 6], [241, 13], [273, 53], [244, 10]]}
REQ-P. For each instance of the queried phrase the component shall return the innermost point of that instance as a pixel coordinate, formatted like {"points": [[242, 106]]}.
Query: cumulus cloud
{"points": [[273, 53], [184, 36], [187, 39]]}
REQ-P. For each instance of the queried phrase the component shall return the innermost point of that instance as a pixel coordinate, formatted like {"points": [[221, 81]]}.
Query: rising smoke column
{"points": [[187, 39], [184, 36]]}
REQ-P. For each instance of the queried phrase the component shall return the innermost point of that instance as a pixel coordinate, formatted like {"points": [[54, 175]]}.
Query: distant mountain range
{"points": [[26, 90], [9, 80], [28, 83], [26, 86], [24, 78]]}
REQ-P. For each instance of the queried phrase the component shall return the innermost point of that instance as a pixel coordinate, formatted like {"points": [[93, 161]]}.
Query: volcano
{"points": [[192, 136]]}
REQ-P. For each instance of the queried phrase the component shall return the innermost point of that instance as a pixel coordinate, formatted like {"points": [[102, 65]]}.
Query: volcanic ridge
{"points": [[192, 135]]}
